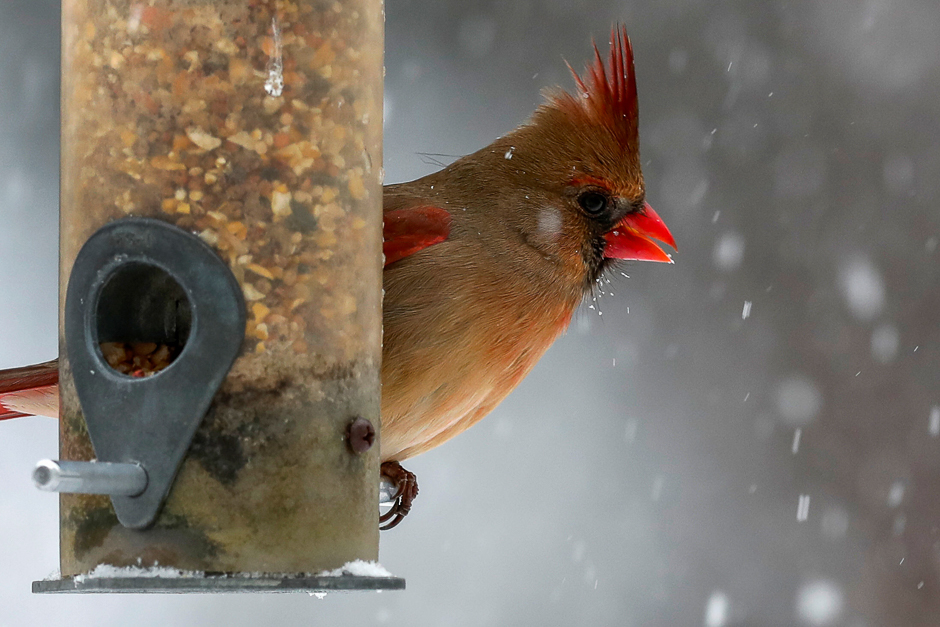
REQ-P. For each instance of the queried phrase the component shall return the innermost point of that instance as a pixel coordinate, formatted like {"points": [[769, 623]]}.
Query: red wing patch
{"points": [[406, 231]]}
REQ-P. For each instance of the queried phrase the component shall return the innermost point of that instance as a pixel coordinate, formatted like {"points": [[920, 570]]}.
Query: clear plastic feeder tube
{"points": [[257, 125]]}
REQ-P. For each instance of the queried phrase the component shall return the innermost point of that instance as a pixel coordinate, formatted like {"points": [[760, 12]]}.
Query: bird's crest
{"points": [[607, 94]]}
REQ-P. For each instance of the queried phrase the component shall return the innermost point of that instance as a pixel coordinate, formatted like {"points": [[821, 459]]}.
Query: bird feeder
{"points": [[220, 282]]}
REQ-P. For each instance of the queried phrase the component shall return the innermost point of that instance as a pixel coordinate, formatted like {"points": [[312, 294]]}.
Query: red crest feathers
{"points": [[607, 94]]}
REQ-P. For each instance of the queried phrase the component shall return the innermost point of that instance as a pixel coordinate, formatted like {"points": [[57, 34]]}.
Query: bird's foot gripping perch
{"points": [[406, 484]]}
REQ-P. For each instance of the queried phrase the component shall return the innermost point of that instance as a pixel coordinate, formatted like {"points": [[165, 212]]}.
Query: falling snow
{"points": [[896, 494], [863, 288], [716, 610], [819, 603], [834, 523], [885, 341], [899, 525], [802, 508], [798, 400], [729, 250]]}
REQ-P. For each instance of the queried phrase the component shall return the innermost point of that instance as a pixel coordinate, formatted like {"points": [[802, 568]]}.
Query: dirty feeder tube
{"points": [[256, 126]]}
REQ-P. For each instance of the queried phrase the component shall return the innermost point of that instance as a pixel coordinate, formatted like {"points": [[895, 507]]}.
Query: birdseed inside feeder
{"points": [[221, 251]]}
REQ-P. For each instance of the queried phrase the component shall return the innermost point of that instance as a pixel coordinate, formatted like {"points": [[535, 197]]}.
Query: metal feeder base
{"points": [[215, 584]]}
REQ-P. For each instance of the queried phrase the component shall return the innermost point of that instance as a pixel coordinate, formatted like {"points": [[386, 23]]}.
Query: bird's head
{"points": [[578, 161]]}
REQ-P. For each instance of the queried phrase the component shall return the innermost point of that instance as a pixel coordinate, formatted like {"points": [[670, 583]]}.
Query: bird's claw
{"points": [[407, 489]]}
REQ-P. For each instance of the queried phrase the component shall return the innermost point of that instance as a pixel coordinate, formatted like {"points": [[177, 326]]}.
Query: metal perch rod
{"points": [[90, 477], [118, 479]]}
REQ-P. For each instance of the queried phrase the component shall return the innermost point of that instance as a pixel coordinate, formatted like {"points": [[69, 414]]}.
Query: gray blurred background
{"points": [[748, 438]]}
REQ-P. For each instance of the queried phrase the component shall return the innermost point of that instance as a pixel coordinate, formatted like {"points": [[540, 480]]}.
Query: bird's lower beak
{"points": [[633, 236]]}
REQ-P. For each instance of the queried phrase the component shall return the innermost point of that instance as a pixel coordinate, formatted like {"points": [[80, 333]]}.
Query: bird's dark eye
{"points": [[593, 202]]}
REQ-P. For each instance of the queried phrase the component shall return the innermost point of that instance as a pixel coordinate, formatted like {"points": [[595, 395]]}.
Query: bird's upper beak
{"points": [[633, 236]]}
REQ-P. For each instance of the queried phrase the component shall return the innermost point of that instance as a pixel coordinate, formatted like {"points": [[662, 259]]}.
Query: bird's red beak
{"points": [[633, 236]]}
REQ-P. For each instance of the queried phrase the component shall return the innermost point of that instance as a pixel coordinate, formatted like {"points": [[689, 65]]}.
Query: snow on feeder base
{"points": [[357, 575], [225, 335]]}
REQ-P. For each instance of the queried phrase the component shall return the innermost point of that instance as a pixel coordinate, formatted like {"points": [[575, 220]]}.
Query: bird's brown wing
{"points": [[19, 380]]}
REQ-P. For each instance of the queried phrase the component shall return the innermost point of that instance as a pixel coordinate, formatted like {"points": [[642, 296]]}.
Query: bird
{"points": [[486, 262]]}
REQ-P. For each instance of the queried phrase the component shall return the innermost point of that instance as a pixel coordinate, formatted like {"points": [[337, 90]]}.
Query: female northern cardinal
{"points": [[485, 263]]}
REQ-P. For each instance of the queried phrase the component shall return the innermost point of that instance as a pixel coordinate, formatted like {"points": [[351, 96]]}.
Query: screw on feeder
{"points": [[361, 435]]}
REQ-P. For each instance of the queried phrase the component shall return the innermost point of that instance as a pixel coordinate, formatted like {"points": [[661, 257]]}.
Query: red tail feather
{"points": [[26, 378], [6, 414]]}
